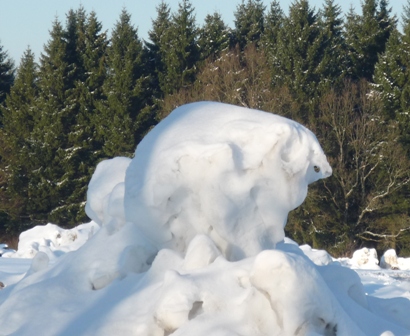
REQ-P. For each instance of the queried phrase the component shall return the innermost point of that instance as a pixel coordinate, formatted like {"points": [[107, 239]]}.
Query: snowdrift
{"points": [[191, 243]]}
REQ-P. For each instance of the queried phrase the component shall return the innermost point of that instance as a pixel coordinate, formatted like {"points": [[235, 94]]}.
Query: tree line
{"points": [[92, 97]]}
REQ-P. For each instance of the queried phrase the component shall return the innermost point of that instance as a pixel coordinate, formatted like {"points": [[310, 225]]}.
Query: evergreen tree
{"points": [[49, 135], [332, 67], [83, 149], [367, 35], [273, 23], [390, 75], [18, 122], [7, 73], [157, 48], [214, 37], [249, 22], [124, 117], [182, 55], [299, 52], [65, 154]]}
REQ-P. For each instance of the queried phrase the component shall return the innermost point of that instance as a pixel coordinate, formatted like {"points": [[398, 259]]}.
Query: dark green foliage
{"points": [[15, 135], [6, 74], [183, 54], [124, 115], [249, 22], [333, 66], [391, 74], [273, 23], [157, 49], [214, 37], [299, 53], [367, 35]]}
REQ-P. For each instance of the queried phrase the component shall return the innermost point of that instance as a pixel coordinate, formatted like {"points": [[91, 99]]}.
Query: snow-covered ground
{"points": [[187, 239]]}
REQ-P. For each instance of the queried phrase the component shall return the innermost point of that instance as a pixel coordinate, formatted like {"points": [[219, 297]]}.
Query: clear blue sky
{"points": [[26, 23]]}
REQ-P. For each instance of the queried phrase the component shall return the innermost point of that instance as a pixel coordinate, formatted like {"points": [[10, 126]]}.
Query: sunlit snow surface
{"points": [[228, 172], [185, 244]]}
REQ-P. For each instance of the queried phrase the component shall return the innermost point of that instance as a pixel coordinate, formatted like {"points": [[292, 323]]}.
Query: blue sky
{"points": [[26, 23]]}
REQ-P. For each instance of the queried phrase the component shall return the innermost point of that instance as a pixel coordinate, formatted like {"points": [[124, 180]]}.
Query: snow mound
{"points": [[389, 260], [319, 257], [104, 197], [186, 244], [228, 172], [364, 258], [4, 249], [51, 240]]}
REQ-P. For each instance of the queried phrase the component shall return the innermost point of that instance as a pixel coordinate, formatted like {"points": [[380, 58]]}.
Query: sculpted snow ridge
{"points": [[225, 171]]}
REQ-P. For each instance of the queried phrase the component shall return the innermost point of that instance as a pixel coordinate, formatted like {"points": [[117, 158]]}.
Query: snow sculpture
{"points": [[211, 168]]}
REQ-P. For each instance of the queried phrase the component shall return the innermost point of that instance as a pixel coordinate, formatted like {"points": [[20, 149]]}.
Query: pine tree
{"points": [[82, 149], [157, 48], [49, 135], [124, 116], [366, 37], [299, 52], [332, 67], [7, 73], [249, 22], [183, 55], [71, 71], [273, 23], [390, 75], [214, 37], [18, 122]]}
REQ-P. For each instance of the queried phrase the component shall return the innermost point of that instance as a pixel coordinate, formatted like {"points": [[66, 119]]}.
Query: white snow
{"points": [[51, 240], [187, 239], [228, 172]]}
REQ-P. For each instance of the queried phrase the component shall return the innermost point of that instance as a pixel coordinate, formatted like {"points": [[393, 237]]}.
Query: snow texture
{"points": [[189, 241], [228, 172]]}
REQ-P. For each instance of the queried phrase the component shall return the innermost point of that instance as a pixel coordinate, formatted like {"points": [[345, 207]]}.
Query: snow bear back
{"points": [[229, 172]]}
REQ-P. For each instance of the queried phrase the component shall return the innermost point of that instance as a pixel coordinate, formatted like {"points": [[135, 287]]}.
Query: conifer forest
{"points": [[93, 95]]}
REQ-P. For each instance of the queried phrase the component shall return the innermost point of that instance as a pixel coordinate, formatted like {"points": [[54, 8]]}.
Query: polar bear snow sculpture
{"points": [[229, 172]]}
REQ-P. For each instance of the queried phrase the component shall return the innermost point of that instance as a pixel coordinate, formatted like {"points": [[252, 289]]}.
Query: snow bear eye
{"points": [[316, 168]]}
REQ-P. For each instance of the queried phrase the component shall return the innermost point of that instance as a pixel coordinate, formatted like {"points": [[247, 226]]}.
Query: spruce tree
{"points": [[249, 22], [124, 117], [83, 149], [299, 52], [214, 37], [183, 55], [391, 75], [366, 37], [333, 64], [7, 73], [49, 135], [71, 72], [273, 23], [15, 135], [157, 47]]}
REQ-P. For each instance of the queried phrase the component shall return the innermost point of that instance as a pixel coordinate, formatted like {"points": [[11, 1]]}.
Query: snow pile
{"points": [[51, 240], [224, 171], [389, 260], [4, 248], [319, 257], [186, 244], [365, 258], [105, 195]]}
